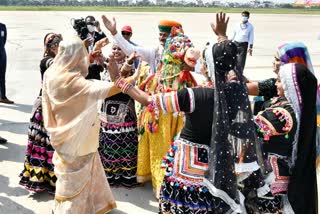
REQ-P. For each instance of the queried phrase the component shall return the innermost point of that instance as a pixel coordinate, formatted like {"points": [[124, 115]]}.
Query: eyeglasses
{"points": [[115, 48], [124, 33]]}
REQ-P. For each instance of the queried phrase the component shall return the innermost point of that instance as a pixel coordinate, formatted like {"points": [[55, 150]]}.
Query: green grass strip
{"points": [[162, 9]]}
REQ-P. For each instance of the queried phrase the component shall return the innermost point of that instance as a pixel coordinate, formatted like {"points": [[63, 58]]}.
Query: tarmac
{"points": [[25, 48]]}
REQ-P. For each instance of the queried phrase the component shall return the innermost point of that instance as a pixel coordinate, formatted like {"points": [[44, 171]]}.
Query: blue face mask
{"points": [[245, 18]]}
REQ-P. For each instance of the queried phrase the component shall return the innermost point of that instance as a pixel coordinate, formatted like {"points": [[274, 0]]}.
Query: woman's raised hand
{"points": [[111, 25], [88, 42], [133, 57], [220, 25], [112, 68], [137, 72], [100, 44]]}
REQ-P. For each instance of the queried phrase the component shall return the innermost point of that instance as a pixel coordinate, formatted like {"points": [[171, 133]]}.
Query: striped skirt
{"points": [[118, 147]]}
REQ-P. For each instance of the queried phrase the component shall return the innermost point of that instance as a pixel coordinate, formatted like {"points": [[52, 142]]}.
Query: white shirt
{"points": [[90, 48], [150, 55], [243, 33]]}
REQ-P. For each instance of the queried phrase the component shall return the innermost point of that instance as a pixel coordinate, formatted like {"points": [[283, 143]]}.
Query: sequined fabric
{"points": [[264, 194]]}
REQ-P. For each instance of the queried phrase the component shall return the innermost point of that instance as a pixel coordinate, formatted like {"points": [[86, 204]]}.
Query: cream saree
{"points": [[70, 111]]}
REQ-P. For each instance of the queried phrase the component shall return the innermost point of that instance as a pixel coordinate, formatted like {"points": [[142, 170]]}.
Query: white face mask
{"points": [[245, 19], [91, 28]]}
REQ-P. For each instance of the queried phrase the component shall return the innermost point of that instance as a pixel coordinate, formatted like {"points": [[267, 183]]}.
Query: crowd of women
{"points": [[203, 146]]}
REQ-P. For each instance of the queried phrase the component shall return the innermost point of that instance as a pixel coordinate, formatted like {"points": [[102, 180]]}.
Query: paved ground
{"points": [[24, 48]]}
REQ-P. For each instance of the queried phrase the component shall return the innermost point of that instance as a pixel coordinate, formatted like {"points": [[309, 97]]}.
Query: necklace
{"points": [[243, 26], [120, 62]]}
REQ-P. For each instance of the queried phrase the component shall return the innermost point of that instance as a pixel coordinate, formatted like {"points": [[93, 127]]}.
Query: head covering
{"points": [[127, 28], [166, 25], [295, 52], [175, 48], [172, 64], [300, 88], [234, 153], [70, 102], [51, 40]]}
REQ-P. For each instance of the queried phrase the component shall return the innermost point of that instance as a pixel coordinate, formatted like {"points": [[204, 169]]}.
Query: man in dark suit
{"points": [[94, 29], [96, 33], [3, 65]]}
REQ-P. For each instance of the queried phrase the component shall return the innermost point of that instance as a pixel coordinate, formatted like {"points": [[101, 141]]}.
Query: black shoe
{"points": [[6, 100], [2, 140]]}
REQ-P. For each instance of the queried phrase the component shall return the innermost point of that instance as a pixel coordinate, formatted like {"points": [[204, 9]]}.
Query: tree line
{"points": [[143, 3]]}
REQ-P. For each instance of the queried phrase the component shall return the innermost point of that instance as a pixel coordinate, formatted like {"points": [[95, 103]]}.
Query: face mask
{"points": [[91, 28], [244, 19]]}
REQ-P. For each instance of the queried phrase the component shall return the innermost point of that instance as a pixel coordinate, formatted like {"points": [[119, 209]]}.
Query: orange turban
{"points": [[166, 25]]}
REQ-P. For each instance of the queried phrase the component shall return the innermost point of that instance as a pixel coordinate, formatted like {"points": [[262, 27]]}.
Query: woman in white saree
{"points": [[70, 111]]}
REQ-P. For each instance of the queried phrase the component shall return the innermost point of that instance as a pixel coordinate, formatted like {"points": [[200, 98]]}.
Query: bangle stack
{"points": [[123, 85]]}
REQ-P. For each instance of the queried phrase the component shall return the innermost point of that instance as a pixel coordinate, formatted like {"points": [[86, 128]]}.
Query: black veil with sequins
{"points": [[234, 150]]}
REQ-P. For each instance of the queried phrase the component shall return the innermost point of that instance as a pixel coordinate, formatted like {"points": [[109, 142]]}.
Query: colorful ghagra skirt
{"points": [[182, 190], [38, 173], [118, 147]]}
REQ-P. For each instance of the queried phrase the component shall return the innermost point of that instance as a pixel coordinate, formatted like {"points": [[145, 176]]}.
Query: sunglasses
{"points": [[119, 49], [125, 33]]}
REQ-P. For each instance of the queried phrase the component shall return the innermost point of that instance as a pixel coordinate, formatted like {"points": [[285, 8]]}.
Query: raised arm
{"points": [[220, 26], [125, 84], [253, 88], [171, 102], [146, 54], [175, 101]]}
